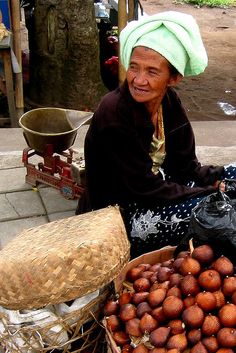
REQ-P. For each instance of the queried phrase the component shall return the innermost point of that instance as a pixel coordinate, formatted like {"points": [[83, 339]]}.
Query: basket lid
{"points": [[63, 260]]}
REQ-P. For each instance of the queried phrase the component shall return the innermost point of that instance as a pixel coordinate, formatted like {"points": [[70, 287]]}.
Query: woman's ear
{"points": [[175, 79]]}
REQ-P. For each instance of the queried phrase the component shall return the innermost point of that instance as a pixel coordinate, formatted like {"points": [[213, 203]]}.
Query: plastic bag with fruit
{"points": [[213, 221]]}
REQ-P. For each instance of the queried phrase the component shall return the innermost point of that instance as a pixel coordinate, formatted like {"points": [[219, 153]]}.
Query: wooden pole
{"points": [[130, 10], [6, 55], [122, 22], [15, 17]]}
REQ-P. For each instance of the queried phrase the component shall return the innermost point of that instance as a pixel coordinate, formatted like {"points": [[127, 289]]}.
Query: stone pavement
{"points": [[22, 206]]}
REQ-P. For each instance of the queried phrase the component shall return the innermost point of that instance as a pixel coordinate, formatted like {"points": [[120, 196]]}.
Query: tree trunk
{"points": [[64, 55]]}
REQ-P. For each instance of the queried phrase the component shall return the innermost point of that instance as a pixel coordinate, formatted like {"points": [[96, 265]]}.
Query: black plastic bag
{"points": [[213, 222]]}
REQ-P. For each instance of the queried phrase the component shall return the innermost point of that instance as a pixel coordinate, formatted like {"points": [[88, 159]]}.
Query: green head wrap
{"points": [[173, 34]]}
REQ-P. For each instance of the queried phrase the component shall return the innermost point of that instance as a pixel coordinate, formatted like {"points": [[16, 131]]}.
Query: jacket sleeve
{"points": [[181, 161]]}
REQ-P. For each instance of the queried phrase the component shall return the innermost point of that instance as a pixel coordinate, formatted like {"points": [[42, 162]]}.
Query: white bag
{"points": [[39, 320]]}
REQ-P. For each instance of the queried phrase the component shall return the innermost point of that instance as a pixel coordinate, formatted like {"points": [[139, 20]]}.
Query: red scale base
{"points": [[53, 171]]}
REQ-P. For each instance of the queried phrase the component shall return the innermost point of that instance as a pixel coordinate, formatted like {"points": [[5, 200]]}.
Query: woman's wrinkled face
{"points": [[148, 75]]}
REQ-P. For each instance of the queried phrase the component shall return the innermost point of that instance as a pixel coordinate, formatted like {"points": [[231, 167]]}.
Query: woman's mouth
{"points": [[139, 90]]}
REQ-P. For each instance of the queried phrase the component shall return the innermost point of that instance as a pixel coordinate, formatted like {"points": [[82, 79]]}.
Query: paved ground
{"points": [[22, 207]]}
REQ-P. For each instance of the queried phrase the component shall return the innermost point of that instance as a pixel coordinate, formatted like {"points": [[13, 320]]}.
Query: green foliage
{"points": [[212, 3]]}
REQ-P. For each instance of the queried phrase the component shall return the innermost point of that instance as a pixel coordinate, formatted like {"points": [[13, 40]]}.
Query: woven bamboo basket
{"points": [[63, 260], [58, 263]]}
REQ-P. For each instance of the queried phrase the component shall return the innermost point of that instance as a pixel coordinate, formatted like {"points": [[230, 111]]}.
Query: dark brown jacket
{"points": [[118, 165]]}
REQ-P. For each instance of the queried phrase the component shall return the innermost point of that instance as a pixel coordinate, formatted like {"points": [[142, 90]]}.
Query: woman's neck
{"points": [[154, 106]]}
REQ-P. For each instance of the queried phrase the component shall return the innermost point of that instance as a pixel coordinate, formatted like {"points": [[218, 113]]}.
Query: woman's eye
{"points": [[132, 67], [153, 72]]}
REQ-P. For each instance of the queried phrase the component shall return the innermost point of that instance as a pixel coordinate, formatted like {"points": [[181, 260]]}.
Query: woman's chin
{"points": [[140, 98]]}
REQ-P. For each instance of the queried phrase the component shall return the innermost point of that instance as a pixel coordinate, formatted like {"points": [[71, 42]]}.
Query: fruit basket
{"points": [[54, 269], [54, 329], [184, 302]]}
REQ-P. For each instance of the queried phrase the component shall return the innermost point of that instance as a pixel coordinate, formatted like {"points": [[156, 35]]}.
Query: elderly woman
{"points": [[140, 149]]}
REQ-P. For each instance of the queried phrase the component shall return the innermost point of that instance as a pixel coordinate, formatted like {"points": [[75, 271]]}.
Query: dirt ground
{"points": [[211, 95]]}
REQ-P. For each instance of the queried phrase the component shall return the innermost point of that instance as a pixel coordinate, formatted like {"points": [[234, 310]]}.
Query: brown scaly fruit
{"points": [[190, 266], [168, 263], [177, 263], [111, 307], [210, 343], [223, 266], [194, 336], [139, 297], [155, 267], [127, 312], [159, 337], [204, 254], [234, 298], [189, 301], [153, 278], [177, 341], [157, 285], [163, 274], [193, 316], [147, 274], [210, 280], [172, 307], [127, 348], [175, 279], [220, 299], [183, 253], [132, 327], [226, 337], [113, 323], [156, 297], [144, 266], [189, 285], [158, 350], [177, 326], [227, 315], [174, 291], [206, 301], [229, 286], [141, 348], [211, 325], [143, 308], [198, 348], [158, 314], [121, 338], [141, 285], [133, 274], [125, 298], [148, 323]]}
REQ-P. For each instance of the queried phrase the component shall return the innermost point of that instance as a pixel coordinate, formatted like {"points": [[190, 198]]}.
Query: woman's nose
{"points": [[140, 78]]}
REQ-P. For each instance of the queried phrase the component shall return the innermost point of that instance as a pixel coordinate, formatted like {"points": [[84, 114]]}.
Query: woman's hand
{"points": [[220, 184]]}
